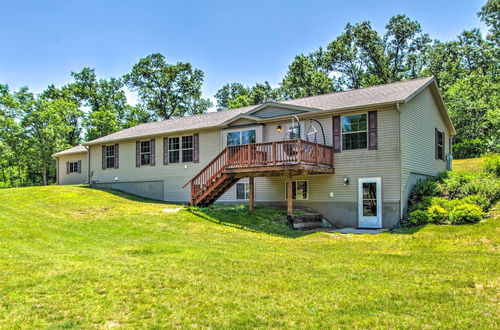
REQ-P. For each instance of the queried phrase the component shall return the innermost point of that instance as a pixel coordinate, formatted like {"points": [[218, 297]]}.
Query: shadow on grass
{"points": [[405, 230], [129, 196], [263, 220]]}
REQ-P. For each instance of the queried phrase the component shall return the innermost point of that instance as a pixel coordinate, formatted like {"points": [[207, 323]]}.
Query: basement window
{"points": [[242, 190], [300, 190]]}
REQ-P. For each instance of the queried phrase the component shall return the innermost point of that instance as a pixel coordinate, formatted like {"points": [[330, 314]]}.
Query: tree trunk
{"points": [[44, 175]]}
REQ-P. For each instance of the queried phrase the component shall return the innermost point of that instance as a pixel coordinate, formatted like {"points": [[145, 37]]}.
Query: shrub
{"points": [[492, 165], [451, 183], [484, 185], [422, 189], [418, 217], [437, 214], [470, 148], [478, 200], [466, 213]]}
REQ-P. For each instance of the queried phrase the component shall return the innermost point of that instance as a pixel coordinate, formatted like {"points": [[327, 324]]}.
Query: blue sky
{"points": [[41, 42]]}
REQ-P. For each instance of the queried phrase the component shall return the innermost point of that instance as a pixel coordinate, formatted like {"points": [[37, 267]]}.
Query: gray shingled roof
{"points": [[74, 150], [380, 94], [387, 93]]}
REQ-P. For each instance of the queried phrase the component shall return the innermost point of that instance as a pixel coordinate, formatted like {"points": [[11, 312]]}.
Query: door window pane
{"points": [[369, 208], [369, 199]]}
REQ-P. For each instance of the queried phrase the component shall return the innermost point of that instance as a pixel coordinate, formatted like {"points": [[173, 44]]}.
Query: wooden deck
{"points": [[279, 158]]}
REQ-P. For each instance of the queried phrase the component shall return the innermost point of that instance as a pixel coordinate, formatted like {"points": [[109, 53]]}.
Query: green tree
{"points": [[306, 77], [106, 102], [169, 90], [490, 15], [228, 93], [235, 95]]}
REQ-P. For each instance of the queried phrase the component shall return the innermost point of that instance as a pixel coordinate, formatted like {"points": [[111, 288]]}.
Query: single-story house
{"points": [[353, 156]]}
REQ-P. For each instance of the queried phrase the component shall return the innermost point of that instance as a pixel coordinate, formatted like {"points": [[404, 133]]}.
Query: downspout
{"points": [[88, 164], [400, 167]]}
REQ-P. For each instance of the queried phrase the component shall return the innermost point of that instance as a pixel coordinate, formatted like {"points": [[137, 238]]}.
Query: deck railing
{"points": [[279, 153], [262, 154]]}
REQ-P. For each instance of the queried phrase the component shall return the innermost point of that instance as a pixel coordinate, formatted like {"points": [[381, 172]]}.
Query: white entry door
{"points": [[370, 203]]}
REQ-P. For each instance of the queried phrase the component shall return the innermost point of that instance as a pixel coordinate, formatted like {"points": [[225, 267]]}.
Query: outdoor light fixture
{"points": [[279, 129], [346, 181]]}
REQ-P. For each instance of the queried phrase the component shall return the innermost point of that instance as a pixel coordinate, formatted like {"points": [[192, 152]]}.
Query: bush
{"points": [[492, 165], [478, 200], [466, 213], [422, 189], [418, 217], [450, 184], [471, 148], [437, 214], [484, 185]]}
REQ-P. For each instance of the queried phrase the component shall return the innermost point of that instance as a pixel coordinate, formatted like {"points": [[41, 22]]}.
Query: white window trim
{"points": [[74, 163], [144, 153], [241, 135], [342, 133], [180, 149], [114, 156], [247, 192], [308, 190]]}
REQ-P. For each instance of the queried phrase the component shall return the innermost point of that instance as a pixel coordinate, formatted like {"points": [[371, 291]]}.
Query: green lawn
{"points": [[79, 257]]}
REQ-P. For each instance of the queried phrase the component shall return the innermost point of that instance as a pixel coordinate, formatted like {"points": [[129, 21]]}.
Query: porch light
{"points": [[278, 129], [346, 181]]}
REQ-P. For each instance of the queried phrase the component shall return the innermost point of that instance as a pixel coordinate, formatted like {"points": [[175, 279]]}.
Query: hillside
{"points": [[79, 257]]}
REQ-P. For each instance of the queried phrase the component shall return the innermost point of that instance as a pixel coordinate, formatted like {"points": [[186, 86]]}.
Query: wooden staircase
{"points": [[257, 159]]}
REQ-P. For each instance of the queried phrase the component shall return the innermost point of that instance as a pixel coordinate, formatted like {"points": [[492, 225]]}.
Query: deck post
{"points": [[251, 194], [289, 196]]}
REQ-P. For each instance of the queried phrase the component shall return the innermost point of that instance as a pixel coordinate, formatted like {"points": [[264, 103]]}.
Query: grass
{"points": [[74, 257], [471, 164]]}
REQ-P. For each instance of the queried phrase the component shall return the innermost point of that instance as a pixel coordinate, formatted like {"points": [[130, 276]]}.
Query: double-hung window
{"points": [[110, 156], [300, 190], [354, 132], [181, 149], [73, 167], [145, 152], [187, 148], [440, 145], [242, 190], [241, 137], [174, 150]]}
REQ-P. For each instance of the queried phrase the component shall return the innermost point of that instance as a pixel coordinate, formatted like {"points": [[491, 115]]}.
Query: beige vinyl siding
{"points": [[419, 117], [73, 178], [175, 175], [353, 164]]}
